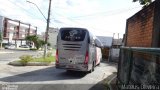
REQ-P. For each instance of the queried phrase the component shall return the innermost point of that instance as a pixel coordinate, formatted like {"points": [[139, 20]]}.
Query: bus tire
{"points": [[99, 64], [92, 69]]}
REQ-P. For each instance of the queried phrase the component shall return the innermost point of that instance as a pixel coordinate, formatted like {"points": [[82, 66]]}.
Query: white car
{"points": [[12, 46], [24, 46]]}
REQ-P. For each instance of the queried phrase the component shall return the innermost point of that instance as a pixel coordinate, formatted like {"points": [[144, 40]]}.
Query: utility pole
{"points": [[47, 29], [1, 39]]}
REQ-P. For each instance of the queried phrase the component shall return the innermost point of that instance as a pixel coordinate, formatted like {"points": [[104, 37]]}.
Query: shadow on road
{"points": [[47, 74], [53, 74], [106, 83]]}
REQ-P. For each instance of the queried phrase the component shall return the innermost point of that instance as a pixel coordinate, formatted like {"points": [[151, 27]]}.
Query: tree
{"points": [[42, 42], [143, 2], [38, 42], [34, 39]]}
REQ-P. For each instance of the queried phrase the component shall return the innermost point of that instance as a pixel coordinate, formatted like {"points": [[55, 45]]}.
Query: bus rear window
{"points": [[72, 34]]}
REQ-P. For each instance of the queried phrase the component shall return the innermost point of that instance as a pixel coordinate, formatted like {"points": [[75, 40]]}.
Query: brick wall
{"points": [[140, 28]]}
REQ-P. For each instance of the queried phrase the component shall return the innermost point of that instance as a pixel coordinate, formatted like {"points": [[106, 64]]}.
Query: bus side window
{"points": [[88, 39]]}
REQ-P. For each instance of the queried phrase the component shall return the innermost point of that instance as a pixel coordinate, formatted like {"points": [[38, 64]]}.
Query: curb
{"points": [[16, 63], [110, 82], [39, 64], [5, 52]]}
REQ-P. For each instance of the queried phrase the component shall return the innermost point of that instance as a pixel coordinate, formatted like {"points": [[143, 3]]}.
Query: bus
{"points": [[76, 50]]}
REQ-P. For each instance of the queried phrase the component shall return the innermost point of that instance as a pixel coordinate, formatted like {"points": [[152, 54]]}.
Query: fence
{"points": [[138, 66]]}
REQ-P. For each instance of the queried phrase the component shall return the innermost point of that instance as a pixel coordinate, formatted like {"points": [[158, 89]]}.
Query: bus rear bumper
{"points": [[73, 67]]}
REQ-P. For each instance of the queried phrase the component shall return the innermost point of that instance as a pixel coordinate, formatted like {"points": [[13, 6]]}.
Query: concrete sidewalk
{"points": [[4, 52], [110, 81]]}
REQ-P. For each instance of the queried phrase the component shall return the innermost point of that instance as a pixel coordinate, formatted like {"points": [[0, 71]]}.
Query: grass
{"points": [[33, 49], [25, 59], [41, 59]]}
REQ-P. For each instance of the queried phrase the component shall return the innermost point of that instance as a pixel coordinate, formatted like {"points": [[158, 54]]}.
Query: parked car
{"points": [[10, 46], [24, 46]]}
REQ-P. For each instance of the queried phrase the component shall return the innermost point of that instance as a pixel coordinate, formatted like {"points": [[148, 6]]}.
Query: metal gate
{"points": [[139, 68]]}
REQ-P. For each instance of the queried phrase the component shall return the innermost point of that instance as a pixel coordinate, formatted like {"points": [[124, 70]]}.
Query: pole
{"points": [[1, 39], [47, 29]]}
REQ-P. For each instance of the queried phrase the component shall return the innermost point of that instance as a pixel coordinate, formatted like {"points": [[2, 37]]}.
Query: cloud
{"points": [[89, 13], [69, 2], [21, 11]]}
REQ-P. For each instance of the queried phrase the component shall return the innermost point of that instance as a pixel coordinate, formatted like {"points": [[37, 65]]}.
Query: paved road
{"points": [[50, 78], [10, 55]]}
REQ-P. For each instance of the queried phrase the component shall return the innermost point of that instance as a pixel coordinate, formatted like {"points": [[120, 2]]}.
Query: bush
{"points": [[33, 49], [49, 54], [25, 59]]}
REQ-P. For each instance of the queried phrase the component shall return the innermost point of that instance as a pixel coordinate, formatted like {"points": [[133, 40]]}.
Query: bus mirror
{"points": [[98, 43]]}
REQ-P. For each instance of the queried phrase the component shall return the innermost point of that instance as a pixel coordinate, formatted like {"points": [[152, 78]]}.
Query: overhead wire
{"points": [[113, 12], [106, 13], [72, 19], [29, 13], [81, 23]]}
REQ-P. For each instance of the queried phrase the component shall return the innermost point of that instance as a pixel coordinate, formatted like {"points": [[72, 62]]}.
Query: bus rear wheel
{"points": [[92, 69]]}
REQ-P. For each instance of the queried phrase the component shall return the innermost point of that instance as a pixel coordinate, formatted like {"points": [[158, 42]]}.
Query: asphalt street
{"points": [[11, 55], [50, 78]]}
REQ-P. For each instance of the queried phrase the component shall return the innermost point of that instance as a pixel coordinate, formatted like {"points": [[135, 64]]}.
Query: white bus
{"points": [[76, 50]]}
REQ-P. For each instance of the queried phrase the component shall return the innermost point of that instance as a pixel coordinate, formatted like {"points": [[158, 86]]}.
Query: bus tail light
{"points": [[86, 58]]}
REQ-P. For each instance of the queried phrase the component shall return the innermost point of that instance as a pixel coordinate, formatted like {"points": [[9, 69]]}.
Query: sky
{"points": [[101, 17]]}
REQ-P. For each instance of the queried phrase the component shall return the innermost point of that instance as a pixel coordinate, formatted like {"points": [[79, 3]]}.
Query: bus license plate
{"points": [[70, 66]]}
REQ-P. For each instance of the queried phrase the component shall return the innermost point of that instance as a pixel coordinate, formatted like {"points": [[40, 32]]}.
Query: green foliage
{"points": [[28, 58], [143, 2], [48, 44], [1, 36], [41, 59], [38, 42], [32, 38], [42, 42], [33, 49], [25, 59]]}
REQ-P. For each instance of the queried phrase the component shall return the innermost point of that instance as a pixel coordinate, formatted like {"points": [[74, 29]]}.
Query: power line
{"points": [[91, 15], [38, 9], [82, 24], [106, 13], [29, 13]]}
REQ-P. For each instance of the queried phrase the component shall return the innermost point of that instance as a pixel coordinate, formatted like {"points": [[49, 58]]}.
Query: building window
{"points": [[23, 36]]}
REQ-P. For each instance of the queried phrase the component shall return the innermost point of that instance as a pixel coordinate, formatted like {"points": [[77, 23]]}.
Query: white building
{"points": [[52, 36], [15, 31]]}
